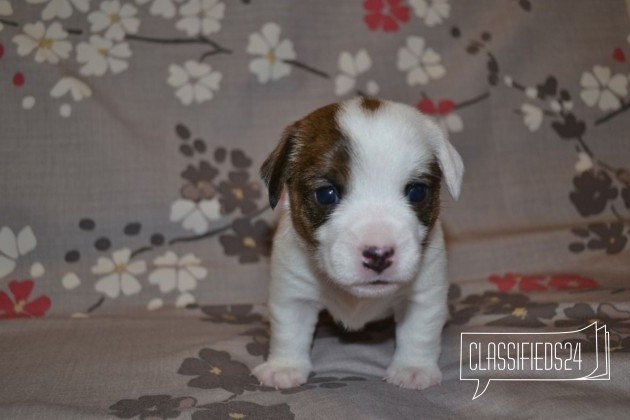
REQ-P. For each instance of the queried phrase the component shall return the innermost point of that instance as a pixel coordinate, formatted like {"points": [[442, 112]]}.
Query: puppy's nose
{"points": [[377, 258]]}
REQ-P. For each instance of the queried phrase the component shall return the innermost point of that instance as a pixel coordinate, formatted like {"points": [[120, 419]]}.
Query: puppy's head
{"points": [[363, 182]]}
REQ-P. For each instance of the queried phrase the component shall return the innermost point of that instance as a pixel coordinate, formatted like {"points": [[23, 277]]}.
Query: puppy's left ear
{"points": [[450, 162], [276, 169]]}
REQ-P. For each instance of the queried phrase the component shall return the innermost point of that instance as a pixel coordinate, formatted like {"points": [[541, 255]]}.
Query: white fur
{"points": [[390, 146]]}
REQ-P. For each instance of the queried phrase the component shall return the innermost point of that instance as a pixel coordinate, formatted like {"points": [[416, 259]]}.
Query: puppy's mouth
{"points": [[374, 287], [378, 282]]}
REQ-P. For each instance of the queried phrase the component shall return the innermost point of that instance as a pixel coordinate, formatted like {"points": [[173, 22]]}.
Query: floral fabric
{"points": [[131, 133], [196, 363]]}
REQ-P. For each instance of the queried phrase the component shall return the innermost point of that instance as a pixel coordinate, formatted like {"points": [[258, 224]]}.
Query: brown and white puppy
{"points": [[359, 234]]}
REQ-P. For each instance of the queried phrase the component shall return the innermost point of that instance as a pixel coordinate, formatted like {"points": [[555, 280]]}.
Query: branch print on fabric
{"points": [[598, 187], [274, 57], [106, 45], [218, 199]]}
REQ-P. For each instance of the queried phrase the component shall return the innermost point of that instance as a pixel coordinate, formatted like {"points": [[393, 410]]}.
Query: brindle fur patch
{"points": [[429, 210], [276, 169], [370, 104], [323, 159], [312, 153]]}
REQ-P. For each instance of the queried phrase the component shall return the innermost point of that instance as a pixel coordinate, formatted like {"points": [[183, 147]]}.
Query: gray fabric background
{"points": [[117, 159]]}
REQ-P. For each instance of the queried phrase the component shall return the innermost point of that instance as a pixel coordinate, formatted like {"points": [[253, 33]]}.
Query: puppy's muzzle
{"points": [[378, 259]]}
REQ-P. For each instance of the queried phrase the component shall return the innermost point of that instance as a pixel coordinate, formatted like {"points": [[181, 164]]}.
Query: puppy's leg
{"points": [[289, 362], [419, 323]]}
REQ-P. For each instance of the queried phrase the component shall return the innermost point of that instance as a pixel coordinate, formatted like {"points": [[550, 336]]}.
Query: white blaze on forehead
{"points": [[389, 145]]}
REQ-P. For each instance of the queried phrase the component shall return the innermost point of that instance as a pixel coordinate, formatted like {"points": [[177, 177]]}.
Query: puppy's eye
{"points": [[327, 195], [416, 192]]}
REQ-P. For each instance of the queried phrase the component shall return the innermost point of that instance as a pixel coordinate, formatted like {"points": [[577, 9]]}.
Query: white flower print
{"points": [[165, 8], [37, 270], [12, 247], [115, 20], [195, 215], [433, 12], [273, 51], [602, 90], [194, 82], [102, 54], [70, 281], [177, 273], [201, 17], [532, 116], [155, 304], [451, 122], [5, 10], [48, 43], [559, 106], [419, 61], [77, 89], [584, 163], [184, 300], [351, 67], [372, 88], [119, 274], [65, 110], [61, 9]]}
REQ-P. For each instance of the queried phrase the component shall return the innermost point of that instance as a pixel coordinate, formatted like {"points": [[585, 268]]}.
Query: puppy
{"points": [[359, 234]]}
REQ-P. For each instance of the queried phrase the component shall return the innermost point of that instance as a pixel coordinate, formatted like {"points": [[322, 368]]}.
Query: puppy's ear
{"points": [[449, 160], [276, 169]]}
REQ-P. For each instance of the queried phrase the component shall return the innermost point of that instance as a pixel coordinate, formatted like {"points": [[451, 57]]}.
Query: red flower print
{"points": [[20, 308], [428, 107], [619, 55], [509, 281], [572, 282], [525, 283], [385, 14], [18, 79]]}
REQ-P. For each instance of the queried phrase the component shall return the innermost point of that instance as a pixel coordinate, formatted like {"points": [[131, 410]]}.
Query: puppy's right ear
{"points": [[276, 170]]}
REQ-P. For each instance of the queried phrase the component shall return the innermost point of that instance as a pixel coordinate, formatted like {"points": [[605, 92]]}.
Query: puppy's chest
{"points": [[354, 312]]}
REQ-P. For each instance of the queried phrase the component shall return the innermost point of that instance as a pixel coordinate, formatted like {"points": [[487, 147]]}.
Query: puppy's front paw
{"points": [[413, 377], [281, 375]]}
